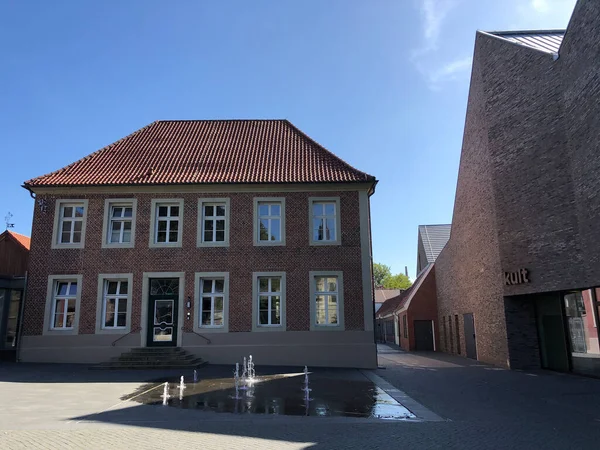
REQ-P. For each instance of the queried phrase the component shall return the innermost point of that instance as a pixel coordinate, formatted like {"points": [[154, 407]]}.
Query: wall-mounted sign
{"points": [[518, 277]]}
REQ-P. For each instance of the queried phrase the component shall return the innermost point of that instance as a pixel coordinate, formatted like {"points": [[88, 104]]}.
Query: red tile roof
{"points": [[208, 151], [25, 241]]}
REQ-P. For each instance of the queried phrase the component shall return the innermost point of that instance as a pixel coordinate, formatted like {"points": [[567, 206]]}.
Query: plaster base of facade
{"points": [[354, 349]]}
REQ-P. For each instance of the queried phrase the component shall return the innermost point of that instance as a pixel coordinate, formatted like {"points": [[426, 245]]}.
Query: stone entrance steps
{"points": [[153, 358]]}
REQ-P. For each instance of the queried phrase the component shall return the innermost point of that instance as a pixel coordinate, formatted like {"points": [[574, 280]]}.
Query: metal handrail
{"points": [[208, 341], [125, 335]]}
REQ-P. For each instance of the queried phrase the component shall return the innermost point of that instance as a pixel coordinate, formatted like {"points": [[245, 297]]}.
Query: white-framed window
{"points": [[211, 302], [213, 222], [269, 301], [167, 223], [119, 223], [113, 309], [64, 305], [327, 304], [114, 304], [326, 298], [63, 300], [325, 221], [69, 223], [269, 221]]}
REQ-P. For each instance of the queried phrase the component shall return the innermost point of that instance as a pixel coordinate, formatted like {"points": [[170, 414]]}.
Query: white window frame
{"points": [[256, 228], [58, 221], [313, 275], [53, 281], [198, 278], [100, 309], [109, 204], [255, 301], [200, 235], [311, 216], [155, 204]]}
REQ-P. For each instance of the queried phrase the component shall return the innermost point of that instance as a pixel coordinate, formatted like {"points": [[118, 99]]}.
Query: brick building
{"points": [[409, 320], [516, 282], [225, 238]]}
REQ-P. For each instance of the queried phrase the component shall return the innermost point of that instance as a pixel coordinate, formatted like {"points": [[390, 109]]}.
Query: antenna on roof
{"points": [[7, 221]]}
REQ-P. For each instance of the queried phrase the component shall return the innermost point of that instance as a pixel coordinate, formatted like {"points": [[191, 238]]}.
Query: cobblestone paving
{"points": [[57, 407]]}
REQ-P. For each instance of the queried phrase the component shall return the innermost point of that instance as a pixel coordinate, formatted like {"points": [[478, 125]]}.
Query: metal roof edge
{"points": [[504, 32], [518, 44]]}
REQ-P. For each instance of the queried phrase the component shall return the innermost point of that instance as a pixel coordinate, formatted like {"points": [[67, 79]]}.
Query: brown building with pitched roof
{"points": [[224, 238], [409, 320], [14, 254]]}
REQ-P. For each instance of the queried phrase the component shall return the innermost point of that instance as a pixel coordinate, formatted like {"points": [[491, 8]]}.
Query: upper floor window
{"points": [[269, 301], [325, 221], [269, 221], [327, 305], [213, 226], [69, 223], [167, 220], [119, 222]]}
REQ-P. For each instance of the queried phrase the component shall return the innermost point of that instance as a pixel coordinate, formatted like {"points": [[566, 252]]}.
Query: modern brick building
{"points": [[517, 281], [225, 238]]}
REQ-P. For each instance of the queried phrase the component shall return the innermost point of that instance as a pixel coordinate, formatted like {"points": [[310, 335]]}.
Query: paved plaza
{"points": [[459, 403]]}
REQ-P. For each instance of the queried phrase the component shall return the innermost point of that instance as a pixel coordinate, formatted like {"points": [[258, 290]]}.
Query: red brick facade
{"points": [[240, 259]]}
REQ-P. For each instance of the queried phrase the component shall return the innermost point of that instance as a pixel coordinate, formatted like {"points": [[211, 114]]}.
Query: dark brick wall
{"points": [[242, 258], [527, 193], [522, 335], [468, 270]]}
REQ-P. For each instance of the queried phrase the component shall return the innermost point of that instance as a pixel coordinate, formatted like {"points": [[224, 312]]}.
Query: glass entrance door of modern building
{"points": [[582, 320]]}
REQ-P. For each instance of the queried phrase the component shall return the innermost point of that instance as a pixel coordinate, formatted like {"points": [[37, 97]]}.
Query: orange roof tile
{"points": [[208, 151], [25, 241]]}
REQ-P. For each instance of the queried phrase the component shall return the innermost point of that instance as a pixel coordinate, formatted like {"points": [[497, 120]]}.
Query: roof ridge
{"points": [[305, 136], [220, 120], [508, 32], [91, 155]]}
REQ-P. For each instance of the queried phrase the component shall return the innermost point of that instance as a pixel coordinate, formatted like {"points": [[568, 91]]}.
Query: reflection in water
{"points": [[283, 395]]}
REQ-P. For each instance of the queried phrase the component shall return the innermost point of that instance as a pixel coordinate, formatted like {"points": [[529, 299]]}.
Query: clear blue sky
{"points": [[381, 83]]}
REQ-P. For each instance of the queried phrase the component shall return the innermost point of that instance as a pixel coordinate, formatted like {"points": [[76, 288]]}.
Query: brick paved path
{"points": [[58, 407]]}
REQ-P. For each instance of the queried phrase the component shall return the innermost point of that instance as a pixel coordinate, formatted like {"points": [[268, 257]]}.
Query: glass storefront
{"points": [[10, 305], [582, 311]]}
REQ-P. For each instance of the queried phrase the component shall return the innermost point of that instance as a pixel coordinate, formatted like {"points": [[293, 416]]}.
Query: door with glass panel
{"points": [[162, 312]]}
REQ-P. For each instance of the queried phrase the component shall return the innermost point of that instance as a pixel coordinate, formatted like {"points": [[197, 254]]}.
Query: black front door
{"points": [[470, 342], [162, 312], [423, 335]]}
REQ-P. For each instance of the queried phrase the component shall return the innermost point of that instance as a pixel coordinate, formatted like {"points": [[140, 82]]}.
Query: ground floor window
{"points": [[581, 310], [64, 305], [213, 302], [115, 299]]}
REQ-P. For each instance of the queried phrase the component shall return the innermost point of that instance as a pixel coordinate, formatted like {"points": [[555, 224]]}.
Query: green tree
{"points": [[399, 281], [380, 273]]}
